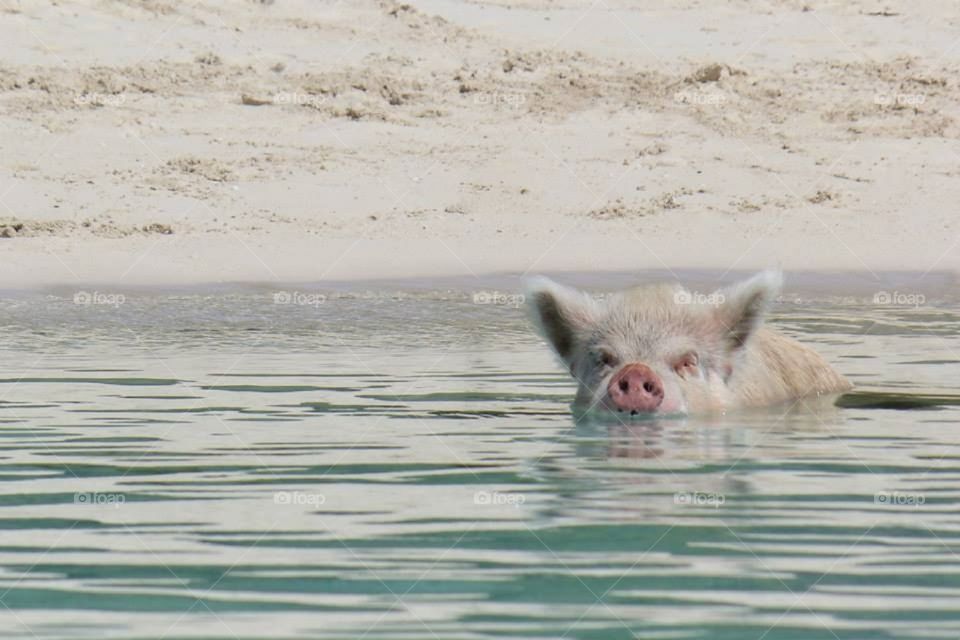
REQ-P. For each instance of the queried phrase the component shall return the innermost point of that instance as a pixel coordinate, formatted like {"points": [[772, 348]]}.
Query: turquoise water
{"points": [[404, 465]]}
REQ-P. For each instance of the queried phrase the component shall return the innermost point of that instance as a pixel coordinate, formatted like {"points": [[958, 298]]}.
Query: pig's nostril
{"points": [[648, 387], [624, 386]]}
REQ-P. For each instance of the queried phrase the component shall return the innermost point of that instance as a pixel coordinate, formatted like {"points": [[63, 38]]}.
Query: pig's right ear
{"points": [[744, 306], [559, 313]]}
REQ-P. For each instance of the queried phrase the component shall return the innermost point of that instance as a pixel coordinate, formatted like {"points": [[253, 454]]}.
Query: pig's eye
{"points": [[606, 359], [687, 365]]}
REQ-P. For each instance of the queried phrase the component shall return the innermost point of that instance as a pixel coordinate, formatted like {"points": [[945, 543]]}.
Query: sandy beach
{"points": [[160, 142]]}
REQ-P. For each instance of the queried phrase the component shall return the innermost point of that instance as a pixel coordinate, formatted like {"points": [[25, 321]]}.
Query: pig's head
{"points": [[652, 350]]}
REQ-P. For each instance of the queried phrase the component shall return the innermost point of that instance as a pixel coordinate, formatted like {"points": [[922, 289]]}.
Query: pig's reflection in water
{"points": [[714, 437], [635, 440]]}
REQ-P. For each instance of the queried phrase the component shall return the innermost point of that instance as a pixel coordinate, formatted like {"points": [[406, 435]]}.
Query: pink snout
{"points": [[635, 388]]}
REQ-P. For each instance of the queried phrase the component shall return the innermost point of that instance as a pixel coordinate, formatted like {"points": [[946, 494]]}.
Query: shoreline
{"points": [[820, 285], [172, 262]]}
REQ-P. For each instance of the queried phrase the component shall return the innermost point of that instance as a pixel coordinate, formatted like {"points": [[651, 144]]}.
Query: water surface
{"points": [[403, 464]]}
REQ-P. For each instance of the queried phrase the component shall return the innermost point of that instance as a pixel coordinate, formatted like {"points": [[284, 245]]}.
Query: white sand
{"points": [[452, 137]]}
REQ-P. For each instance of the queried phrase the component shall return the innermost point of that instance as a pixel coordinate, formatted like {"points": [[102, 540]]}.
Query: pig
{"points": [[662, 350]]}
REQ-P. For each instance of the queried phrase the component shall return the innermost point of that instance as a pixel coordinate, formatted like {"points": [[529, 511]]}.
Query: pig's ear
{"points": [[744, 306], [559, 314]]}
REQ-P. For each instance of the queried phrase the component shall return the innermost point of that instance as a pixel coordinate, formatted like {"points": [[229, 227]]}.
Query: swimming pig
{"points": [[661, 349]]}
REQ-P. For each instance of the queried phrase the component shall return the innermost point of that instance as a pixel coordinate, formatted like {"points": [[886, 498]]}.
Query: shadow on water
{"points": [[896, 400]]}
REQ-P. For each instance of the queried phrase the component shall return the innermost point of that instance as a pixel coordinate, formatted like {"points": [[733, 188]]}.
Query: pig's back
{"points": [[777, 368]]}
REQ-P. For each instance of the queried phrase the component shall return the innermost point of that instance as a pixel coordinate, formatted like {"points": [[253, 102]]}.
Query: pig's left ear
{"points": [[560, 314], [744, 306]]}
